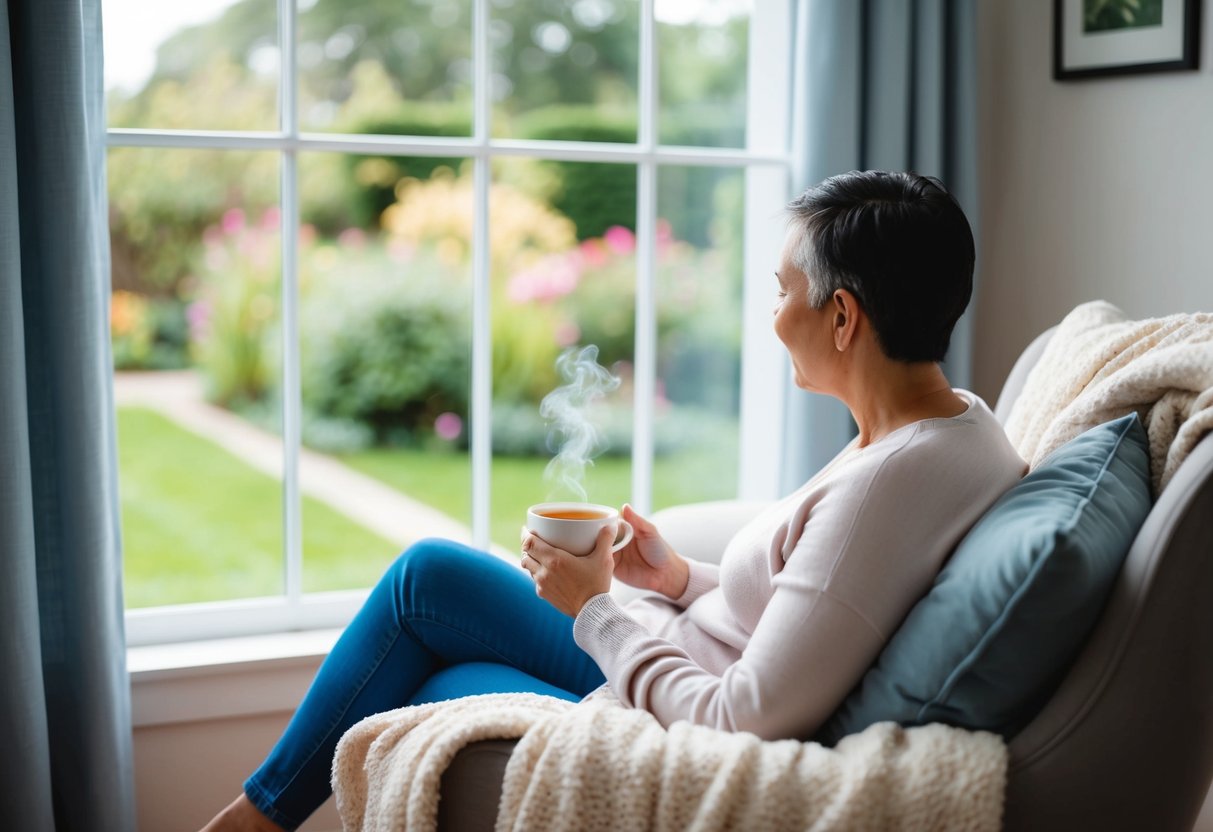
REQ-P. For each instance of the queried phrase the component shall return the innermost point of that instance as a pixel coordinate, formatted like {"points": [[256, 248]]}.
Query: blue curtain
{"points": [[881, 85], [65, 699]]}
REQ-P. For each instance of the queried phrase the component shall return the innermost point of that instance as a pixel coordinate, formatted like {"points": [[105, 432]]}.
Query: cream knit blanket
{"points": [[599, 766], [1099, 365]]}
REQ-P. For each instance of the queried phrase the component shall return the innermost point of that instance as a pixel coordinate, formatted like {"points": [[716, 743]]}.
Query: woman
{"points": [[875, 272]]}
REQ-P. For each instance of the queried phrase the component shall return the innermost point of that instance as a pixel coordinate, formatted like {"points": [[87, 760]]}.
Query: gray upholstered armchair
{"points": [[1125, 742]]}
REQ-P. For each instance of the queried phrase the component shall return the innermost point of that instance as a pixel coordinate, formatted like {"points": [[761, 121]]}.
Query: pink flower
{"points": [[621, 240], [593, 252], [567, 334], [448, 426], [552, 277], [233, 220], [271, 218], [352, 237], [665, 236], [198, 316], [665, 232]]}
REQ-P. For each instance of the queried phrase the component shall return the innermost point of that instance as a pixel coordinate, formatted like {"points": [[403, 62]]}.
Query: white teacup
{"points": [[574, 526]]}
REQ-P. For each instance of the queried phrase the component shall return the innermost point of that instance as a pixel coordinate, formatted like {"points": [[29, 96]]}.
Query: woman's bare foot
{"points": [[241, 816]]}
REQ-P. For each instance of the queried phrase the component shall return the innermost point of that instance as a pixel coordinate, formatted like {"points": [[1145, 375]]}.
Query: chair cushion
{"points": [[986, 647]]}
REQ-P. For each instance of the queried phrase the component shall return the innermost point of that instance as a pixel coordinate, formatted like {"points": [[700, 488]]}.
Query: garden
{"points": [[384, 306]]}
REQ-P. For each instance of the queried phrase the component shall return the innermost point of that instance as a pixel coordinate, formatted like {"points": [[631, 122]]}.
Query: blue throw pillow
{"points": [[987, 646]]}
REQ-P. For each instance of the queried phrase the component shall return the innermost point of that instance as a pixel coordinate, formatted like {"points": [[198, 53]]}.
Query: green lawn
{"points": [[199, 524], [445, 482]]}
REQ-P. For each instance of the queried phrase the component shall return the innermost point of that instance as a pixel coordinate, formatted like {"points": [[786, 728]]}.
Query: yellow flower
{"points": [[438, 212], [128, 312]]}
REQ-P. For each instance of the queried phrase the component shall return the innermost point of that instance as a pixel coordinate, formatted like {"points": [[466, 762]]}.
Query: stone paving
{"points": [[364, 500]]}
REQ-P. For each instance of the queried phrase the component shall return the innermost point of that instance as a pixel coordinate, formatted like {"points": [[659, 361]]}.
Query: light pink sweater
{"points": [[808, 593]]}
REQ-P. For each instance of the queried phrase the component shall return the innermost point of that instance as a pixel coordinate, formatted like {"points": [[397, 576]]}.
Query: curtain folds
{"points": [[65, 702], [889, 85]]}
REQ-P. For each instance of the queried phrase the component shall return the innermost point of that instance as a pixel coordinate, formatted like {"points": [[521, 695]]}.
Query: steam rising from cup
{"points": [[571, 433]]}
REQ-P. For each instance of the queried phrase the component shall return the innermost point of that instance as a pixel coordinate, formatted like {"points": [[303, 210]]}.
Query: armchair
{"points": [[1126, 740]]}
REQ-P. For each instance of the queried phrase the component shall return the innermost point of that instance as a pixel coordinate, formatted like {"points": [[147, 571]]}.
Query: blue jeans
{"points": [[444, 621]]}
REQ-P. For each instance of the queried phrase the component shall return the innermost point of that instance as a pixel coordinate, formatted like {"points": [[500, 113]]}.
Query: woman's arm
{"points": [[856, 555]]}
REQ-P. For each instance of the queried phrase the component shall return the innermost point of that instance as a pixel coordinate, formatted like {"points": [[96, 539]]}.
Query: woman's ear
{"points": [[845, 320]]}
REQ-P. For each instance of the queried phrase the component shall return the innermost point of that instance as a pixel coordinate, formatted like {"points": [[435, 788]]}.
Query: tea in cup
{"points": [[574, 526]]}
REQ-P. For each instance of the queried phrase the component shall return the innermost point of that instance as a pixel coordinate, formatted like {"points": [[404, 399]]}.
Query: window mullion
{"points": [[769, 127], [292, 404], [645, 371], [482, 334]]}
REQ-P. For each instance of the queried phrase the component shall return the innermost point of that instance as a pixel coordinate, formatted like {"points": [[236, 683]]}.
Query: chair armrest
{"points": [[702, 530], [697, 530]]}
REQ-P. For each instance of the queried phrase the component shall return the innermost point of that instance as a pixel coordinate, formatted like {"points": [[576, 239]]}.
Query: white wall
{"points": [[1100, 188]]}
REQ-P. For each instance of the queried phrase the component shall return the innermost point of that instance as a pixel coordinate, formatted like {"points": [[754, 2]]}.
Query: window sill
{"points": [[224, 678]]}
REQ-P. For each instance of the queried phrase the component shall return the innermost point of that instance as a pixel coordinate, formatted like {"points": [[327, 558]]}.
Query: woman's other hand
{"points": [[567, 581], [648, 562]]}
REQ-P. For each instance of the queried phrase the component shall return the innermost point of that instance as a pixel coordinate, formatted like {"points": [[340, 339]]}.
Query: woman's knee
{"points": [[432, 562]]}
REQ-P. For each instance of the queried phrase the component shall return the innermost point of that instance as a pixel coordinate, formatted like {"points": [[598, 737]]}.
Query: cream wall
{"points": [[1100, 188], [1090, 189]]}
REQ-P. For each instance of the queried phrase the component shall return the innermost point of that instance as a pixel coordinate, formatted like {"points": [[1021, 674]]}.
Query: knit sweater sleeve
{"points": [[857, 554], [807, 650], [703, 577]]}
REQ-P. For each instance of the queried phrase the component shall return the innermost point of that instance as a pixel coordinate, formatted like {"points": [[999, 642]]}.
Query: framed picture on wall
{"points": [[1118, 37]]}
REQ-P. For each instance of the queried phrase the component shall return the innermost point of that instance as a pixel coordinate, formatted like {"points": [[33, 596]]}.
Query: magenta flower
{"points": [[448, 426], [233, 220], [621, 240]]}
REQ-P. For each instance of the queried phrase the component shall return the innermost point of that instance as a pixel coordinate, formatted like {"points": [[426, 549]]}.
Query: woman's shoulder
{"points": [[961, 450], [940, 449]]}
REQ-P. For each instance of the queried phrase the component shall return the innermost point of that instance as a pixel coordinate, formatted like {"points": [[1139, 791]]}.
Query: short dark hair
{"points": [[900, 243]]}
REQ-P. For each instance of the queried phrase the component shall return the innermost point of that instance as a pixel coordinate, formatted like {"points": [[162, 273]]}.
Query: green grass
{"points": [[444, 481], [200, 525]]}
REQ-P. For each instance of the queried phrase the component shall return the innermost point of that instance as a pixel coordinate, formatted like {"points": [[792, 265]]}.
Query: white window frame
{"points": [[768, 164]]}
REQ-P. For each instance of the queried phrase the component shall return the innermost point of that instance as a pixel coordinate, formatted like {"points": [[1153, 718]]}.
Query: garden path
{"points": [[370, 503]]}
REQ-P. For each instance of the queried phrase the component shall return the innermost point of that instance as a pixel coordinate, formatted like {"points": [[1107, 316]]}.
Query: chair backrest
{"points": [[1126, 741]]}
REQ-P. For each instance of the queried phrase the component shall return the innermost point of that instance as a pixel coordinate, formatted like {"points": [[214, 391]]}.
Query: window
{"points": [[350, 240]]}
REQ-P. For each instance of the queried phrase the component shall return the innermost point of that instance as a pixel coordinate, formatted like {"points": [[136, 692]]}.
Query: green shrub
{"points": [[390, 355], [519, 430], [148, 333], [593, 195], [234, 314], [373, 178]]}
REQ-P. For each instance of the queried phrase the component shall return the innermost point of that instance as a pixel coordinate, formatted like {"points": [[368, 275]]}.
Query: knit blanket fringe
{"points": [[597, 765], [1100, 365]]}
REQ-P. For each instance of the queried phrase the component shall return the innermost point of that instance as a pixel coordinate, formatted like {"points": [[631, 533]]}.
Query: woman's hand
{"points": [[648, 562], [566, 581]]}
